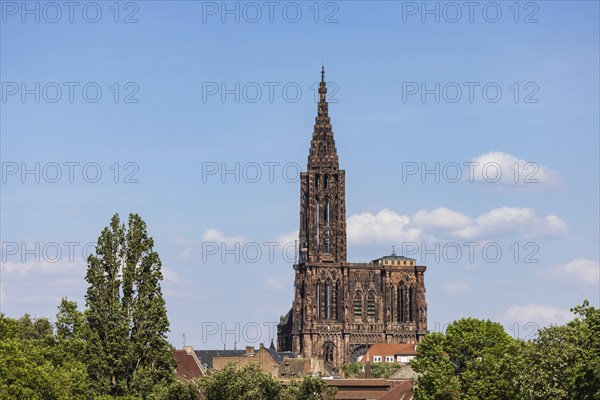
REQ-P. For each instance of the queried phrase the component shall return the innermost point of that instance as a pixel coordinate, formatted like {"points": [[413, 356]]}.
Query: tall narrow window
{"points": [[317, 181], [400, 302], [357, 304], [410, 304], [371, 305], [318, 223], [328, 299], [327, 212], [318, 300], [336, 296], [325, 181]]}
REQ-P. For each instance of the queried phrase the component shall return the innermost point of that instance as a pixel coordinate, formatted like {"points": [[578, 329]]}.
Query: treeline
{"points": [[477, 359], [116, 348], [38, 362]]}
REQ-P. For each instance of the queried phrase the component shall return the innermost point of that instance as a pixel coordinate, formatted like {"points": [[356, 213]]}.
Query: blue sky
{"points": [[171, 124]]}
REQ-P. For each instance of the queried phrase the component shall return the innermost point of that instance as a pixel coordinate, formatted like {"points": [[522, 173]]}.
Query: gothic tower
{"points": [[339, 307], [322, 194]]}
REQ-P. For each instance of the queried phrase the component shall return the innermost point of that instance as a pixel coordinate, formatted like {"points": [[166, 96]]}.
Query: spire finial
{"points": [[322, 85]]}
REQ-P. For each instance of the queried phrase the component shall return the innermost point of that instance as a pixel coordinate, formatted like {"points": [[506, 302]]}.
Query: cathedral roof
{"points": [[394, 257]]}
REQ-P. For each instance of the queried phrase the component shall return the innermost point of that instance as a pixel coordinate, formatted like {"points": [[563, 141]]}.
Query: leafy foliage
{"points": [[309, 388], [250, 383], [33, 366], [127, 349], [353, 370], [383, 369], [117, 348], [476, 359], [240, 383]]}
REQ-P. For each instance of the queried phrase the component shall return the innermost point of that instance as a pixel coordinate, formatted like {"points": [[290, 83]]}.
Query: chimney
{"points": [[249, 350]]}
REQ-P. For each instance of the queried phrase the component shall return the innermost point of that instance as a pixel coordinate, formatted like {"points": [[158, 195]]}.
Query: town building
{"points": [[398, 353]]}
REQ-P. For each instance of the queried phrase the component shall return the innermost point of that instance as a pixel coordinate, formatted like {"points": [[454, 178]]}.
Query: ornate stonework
{"points": [[340, 308]]}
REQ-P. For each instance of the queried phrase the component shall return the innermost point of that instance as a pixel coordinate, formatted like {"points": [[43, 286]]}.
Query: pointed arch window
{"points": [[400, 313], [318, 222], [336, 297], [371, 305], [328, 352], [358, 304], [411, 304], [325, 181], [328, 298]]}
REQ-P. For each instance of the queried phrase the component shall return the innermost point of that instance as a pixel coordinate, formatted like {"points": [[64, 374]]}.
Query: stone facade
{"points": [[341, 308], [262, 357]]}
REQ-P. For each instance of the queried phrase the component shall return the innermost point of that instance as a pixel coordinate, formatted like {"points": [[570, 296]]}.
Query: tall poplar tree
{"points": [[127, 323]]}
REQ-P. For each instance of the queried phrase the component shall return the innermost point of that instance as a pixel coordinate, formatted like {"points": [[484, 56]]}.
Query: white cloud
{"points": [[63, 267], [194, 247], [579, 272], [214, 235], [289, 237], [512, 220], [40, 285], [535, 313], [503, 170], [456, 288], [386, 226], [2, 294], [441, 218]]}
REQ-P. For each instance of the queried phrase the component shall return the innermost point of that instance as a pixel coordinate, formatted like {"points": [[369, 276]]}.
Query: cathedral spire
{"points": [[322, 146], [322, 86]]}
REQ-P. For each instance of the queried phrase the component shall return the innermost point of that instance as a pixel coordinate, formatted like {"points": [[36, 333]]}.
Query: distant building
{"points": [[399, 353], [292, 368], [340, 308], [267, 359], [188, 364]]}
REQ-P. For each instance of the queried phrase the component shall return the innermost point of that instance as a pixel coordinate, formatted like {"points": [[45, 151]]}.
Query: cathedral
{"points": [[340, 308]]}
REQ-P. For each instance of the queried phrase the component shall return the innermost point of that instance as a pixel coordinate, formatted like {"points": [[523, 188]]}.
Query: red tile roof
{"points": [[389, 349]]}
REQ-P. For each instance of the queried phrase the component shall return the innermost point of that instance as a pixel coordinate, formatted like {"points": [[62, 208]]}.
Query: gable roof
{"points": [[206, 356], [187, 366], [278, 356], [403, 391], [389, 349]]}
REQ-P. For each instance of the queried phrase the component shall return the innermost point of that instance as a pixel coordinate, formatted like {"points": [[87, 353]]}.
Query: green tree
{"points": [[468, 362], [383, 369], [439, 380], [127, 349], [240, 383], [70, 322], [38, 328], [477, 349], [562, 362], [33, 366], [309, 388], [353, 370]]}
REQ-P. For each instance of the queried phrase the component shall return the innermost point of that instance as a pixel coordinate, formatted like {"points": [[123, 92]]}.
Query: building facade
{"points": [[341, 308]]}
